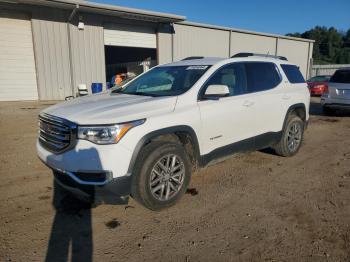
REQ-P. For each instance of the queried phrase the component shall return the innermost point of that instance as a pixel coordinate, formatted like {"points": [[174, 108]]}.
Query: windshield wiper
{"points": [[117, 90], [140, 94]]}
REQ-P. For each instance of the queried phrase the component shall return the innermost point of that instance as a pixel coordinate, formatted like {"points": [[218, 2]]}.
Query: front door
{"points": [[227, 123]]}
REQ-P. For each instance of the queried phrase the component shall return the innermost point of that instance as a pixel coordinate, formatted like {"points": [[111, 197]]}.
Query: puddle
{"points": [[28, 108], [192, 191], [330, 120], [112, 223], [43, 197]]}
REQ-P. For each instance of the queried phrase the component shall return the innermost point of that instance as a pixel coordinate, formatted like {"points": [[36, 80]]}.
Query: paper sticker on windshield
{"points": [[196, 67]]}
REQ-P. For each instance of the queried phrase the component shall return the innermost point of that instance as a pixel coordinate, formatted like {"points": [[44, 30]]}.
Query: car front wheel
{"points": [[161, 176]]}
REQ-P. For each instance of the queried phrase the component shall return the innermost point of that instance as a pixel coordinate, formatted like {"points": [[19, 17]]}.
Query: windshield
{"points": [[164, 81]]}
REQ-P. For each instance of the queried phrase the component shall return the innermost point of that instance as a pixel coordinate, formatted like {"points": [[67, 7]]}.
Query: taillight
{"points": [[325, 89]]}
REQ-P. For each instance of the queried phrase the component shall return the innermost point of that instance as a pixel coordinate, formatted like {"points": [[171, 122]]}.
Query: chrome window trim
{"points": [[204, 86]]}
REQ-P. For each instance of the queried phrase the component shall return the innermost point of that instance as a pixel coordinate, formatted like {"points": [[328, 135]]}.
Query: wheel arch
{"points": [[182, 133], [298, 109]]}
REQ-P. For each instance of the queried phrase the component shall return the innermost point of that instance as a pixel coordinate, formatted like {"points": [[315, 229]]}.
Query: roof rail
{"points": [[192, 58], [256, 54]]}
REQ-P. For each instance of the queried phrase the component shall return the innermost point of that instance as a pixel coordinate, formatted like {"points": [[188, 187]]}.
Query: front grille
{"points": [[56, 134]]}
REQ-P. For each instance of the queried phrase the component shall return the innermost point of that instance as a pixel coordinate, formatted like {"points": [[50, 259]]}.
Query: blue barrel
{"points": [[96, 88]]}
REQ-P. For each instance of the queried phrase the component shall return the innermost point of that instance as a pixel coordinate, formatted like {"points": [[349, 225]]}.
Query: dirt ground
{"points": [[253, 207]]}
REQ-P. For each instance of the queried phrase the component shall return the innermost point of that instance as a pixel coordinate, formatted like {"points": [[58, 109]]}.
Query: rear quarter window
{"points": [[341, 76], [293, 74]]}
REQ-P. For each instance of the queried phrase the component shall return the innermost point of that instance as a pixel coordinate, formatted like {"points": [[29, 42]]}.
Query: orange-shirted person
{"points": [[118, 79]]}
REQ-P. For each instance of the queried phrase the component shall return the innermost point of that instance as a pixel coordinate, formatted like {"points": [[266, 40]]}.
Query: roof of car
{"points": [[214, 60], [196, 61]]}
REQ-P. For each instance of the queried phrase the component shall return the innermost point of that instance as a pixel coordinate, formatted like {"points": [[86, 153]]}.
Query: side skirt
{"points": [[251, 144]]}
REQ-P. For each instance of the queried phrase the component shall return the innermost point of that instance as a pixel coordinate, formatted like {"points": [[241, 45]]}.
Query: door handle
{"points": [[286, 97], [248, 103]]}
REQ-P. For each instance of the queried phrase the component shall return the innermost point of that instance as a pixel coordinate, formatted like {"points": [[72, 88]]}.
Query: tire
{"points": [[156, 186], [328, 111], [293, 131]]}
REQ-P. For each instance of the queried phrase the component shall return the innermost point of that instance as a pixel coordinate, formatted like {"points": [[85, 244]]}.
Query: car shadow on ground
{"points": [[71, 228], [315, 109], [71, 237]]}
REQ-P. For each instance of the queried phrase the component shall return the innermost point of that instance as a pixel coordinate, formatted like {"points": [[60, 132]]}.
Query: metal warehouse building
{"points": [[49, 47]]}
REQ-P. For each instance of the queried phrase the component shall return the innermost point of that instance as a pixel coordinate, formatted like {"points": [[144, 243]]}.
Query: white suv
{"points": [[147, 137]]}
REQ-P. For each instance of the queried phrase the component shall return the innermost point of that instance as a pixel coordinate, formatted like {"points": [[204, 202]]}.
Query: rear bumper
{"points": [[335, 102], [316, 92]]}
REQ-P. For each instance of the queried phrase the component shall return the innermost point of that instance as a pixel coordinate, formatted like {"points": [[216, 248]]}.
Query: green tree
{"points": [[331, 45]]}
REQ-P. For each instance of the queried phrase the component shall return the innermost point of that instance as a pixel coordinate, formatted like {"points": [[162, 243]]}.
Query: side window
{"points": [[233, 76], [293, 74], [261, 76]]}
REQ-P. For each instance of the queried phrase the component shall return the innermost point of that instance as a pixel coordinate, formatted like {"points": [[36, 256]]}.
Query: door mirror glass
{"points": [[216, 91]]}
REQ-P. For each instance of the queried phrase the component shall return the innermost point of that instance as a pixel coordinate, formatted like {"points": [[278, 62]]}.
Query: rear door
{"points": [[267, 92]]}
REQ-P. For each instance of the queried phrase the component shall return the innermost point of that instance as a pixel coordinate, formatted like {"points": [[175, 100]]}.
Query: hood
{"points": [[109, 108]]}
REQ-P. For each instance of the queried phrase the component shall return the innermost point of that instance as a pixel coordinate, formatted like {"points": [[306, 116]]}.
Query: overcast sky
{"points": [[271, 16]]}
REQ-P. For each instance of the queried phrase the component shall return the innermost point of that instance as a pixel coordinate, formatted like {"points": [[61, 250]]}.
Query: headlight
{"points": [[108, 134]]}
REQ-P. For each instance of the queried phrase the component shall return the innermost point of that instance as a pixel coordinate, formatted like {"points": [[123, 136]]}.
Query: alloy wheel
{"points": [[167, 177], [294, 136]]}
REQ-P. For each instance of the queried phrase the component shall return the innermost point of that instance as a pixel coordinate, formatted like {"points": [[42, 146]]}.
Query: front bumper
{"points": [[87, 157], [94, 172], [116, 191]]}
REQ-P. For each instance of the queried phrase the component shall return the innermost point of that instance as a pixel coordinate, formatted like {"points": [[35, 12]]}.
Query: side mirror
{"points": [[215, 92]]}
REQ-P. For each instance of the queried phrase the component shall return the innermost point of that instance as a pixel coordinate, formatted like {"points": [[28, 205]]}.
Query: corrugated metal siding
{"points": [[241, 42], [192, 41], [296, 51], [51, 53], [88, 53], [17, 65], [164, 48], [50, 33], [164, 45], [50, 36]]}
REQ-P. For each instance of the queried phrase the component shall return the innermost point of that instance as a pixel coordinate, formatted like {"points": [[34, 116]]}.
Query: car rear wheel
{"points": [[292, 137], [161, 176]]}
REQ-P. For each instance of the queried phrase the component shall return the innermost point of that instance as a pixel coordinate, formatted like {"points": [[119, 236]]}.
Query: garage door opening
{"points": [[127, 62]]}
